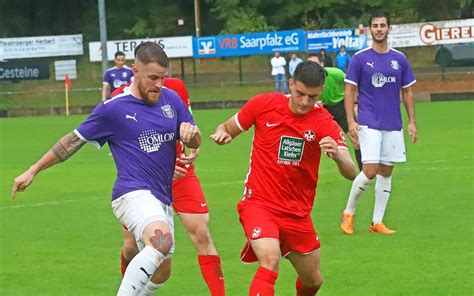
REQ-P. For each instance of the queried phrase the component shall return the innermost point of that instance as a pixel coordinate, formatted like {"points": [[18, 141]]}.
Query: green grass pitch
{"points": [[61, 238]]}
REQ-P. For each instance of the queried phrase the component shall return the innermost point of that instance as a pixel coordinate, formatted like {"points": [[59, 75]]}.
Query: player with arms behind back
{"points": [[379, 73], [290, 133]]}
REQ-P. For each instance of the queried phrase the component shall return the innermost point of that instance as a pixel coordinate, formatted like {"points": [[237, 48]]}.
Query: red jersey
{"points": [[179, 87], [285, 156]]}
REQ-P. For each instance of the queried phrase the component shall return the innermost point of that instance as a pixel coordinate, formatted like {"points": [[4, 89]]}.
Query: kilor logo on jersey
{"points": [[271, 124], [203, 204], [291, 150], [150, 140], [379, 80], [256, 232], [370, 64], [118, 83], [167, 111], [394, 65], [134, 117], [309, 135]]}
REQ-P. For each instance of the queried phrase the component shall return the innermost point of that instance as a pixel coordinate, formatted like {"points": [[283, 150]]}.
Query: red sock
{"points": [[212, 273], [302, 290], [263, 283], [123, 263]]}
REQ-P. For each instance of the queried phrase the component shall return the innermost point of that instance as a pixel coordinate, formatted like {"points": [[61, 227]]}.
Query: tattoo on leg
{"points": [[162, 242], [67, 146]]}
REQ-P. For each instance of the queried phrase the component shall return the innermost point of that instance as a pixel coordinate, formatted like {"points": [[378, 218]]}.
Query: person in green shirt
{"points": [[332, 98]]}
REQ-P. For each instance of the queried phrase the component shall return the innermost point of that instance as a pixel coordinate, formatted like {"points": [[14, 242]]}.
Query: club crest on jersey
{"points": [[124, 74], [395, 65], [167, 111], [309, 135], [256, 232], [341, 140]]}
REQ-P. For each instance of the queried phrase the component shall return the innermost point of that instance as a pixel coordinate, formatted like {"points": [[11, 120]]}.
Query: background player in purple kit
{"points": [[141, 127], [379, 73], [116, 76]]}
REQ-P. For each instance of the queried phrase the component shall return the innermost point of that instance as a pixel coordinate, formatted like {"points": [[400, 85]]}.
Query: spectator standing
{"points": [[295, 60], [324, 58], [278, 72], [343, 59]]}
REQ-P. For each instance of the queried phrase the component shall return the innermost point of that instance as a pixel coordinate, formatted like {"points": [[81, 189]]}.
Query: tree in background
{"points": [[127, 19]]}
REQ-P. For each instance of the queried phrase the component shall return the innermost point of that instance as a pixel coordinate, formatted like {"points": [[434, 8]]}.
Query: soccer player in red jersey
{"points": [[289, 133], [191, 206]]}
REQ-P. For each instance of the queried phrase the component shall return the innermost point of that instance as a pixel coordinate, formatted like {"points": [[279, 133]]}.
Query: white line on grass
{"points": [[47, 203], [62, 201]]}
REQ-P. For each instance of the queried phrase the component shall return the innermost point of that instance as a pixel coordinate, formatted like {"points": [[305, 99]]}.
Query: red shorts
{"points": [[188, 196], [295, 234]]}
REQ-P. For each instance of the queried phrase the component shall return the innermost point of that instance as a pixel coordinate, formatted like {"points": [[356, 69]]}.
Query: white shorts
{"points": [[139, 208], [385, 147]]}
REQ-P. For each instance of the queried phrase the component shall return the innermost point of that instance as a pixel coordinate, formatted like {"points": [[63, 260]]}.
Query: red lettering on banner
{"points": [[429, 33], [228, 42]]}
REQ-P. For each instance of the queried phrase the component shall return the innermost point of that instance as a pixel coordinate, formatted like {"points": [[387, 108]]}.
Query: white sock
{"points": [[360, 184], [382, 194], [151, 288], [139, 271]]}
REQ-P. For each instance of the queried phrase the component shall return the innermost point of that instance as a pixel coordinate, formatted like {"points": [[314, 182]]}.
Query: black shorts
{"points": [[339, 113]]}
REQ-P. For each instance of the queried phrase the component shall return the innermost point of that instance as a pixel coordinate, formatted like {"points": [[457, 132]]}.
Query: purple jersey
{"points": [[142, 139], [379, 78], [117, 77]]}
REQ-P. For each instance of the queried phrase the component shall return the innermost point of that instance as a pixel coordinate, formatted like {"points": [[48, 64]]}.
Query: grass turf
{"points": [[61, 238]]}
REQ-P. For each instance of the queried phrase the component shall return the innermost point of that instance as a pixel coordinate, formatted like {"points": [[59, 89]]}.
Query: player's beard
{"points": [[150, 96], [378, 39]]}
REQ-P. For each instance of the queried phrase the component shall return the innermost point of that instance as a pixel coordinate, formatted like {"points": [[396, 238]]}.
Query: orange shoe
{"points": [[381, 228], [347, 223]]}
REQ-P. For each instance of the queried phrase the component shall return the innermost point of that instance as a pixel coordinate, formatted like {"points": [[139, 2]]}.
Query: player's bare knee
{"points": [[201, 235], [314, 282], [162, 241], [269, 261], [385, 171], [370, 173], [129, 250]]}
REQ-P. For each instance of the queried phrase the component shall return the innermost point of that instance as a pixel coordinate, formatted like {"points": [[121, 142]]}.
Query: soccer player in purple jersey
{"points": [[141, 127], [116, 76], [378, 73]]}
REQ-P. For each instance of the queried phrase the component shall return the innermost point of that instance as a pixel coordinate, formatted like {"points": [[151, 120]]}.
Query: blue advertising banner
{"points": [[331, 40], [248, 44]]}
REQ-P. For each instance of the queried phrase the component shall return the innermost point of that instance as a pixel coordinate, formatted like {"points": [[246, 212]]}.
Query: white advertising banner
{"points": [[175, 47], [61, 68], [429, 33], [40, 46]]}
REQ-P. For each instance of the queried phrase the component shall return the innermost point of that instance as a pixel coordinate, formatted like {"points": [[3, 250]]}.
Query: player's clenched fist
{"points": [[221, 137], [190, 135]]}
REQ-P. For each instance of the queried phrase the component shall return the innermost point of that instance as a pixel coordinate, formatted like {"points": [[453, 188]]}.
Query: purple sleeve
{"points": [[184, 115], [107, 78], [130, 76], [408, 78], [96, 128], [353, 72]]}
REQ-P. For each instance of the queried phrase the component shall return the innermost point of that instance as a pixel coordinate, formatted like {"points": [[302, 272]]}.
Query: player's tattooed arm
{"points": [[67, 146]]}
